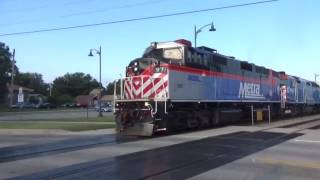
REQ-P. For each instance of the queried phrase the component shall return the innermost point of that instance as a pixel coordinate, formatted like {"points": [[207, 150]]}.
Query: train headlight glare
{"points": [[135, 69], [146, 104]]}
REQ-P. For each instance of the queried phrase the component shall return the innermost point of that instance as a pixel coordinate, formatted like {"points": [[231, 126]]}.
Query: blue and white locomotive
{"points": [[175, 86]]}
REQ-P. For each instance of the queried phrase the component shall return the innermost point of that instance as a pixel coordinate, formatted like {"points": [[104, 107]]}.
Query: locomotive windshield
{"points": [[150, 52], [164, 54], [137, 66]]}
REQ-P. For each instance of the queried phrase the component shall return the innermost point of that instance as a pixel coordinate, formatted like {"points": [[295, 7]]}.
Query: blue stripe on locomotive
{"points": [[212, 88], [301, 92], [219, 88]]}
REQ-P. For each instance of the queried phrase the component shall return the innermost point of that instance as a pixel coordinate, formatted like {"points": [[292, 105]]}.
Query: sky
{"points": [[282, 35]]}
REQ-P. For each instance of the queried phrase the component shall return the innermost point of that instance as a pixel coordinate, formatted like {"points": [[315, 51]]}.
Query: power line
{"points": [[137, 19], [43, 6], [132, 5], [148, 2]]}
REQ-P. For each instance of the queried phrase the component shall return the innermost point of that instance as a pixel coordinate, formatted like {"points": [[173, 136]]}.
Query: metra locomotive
{"points": [[175, 86]]}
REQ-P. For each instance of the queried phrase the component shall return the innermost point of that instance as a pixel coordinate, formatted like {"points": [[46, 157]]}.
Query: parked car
{"points": [[23, 105], [68, 105], [46, 106], [79, 105], [106, 109]]}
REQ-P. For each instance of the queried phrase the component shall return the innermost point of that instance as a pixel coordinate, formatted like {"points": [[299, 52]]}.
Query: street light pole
{"points": [[100, 85], [100, 113], [197, 31], [12, 76], [195, 36]]}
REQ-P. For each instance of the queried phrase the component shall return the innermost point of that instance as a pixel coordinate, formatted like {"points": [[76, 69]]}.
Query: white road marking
{"points": [[308, 141]]}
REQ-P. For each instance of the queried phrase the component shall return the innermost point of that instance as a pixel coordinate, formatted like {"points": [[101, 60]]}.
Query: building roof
{"points": [[16, 87], [95, 92], [107, 98]]}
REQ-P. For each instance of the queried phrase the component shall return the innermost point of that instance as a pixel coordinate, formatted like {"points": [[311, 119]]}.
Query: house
{"points": [[15, 89], [107, 99], [85, 100], [92, 98]]}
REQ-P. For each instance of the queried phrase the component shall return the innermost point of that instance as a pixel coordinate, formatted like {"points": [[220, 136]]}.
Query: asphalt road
{"points": [[50, 114], [231, 152]]}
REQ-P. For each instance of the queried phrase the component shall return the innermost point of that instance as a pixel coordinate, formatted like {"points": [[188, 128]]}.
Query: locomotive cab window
{"points": [[143, 64]]}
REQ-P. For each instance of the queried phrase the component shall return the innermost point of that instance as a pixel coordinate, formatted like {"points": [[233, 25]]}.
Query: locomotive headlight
{"points": [[146, 104], [136, 63], [135, 69]]}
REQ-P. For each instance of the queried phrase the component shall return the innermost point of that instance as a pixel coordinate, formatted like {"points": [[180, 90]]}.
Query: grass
{"points": [[74, 124], [69, 126], [4, 109], [7, 109], [94, 119]]}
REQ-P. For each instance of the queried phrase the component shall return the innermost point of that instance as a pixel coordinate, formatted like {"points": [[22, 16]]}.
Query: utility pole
{"points": [[50, 89], [315, 77], [13, 62]]}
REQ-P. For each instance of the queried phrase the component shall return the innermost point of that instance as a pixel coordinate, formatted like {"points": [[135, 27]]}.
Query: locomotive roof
{"points": [[207, 50]]}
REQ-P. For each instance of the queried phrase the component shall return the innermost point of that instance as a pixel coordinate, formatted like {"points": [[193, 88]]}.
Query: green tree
{"points": [[5, 70], [110, 88], [33, 81], [72, 85]]}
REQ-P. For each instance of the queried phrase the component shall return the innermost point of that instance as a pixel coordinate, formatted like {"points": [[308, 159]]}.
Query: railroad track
{"points": [[171, 161], [28, 151], [310, 124]]}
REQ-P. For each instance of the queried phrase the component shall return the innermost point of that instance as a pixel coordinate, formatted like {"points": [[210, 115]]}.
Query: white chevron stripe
{"points": [[127, 91], [138, 91], [157, 86], [129, 85], [132, 92]]}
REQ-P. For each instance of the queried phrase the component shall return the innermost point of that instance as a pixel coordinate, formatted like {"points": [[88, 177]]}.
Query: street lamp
{"points": [[197, 31], [91, 55]]}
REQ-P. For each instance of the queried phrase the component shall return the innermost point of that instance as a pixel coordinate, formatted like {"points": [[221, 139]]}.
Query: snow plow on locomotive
{"points": [[175, 86]]}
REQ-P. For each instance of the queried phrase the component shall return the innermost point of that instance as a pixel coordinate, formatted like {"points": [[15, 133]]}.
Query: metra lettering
{"points": [[249, 90], [194, 78]]}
